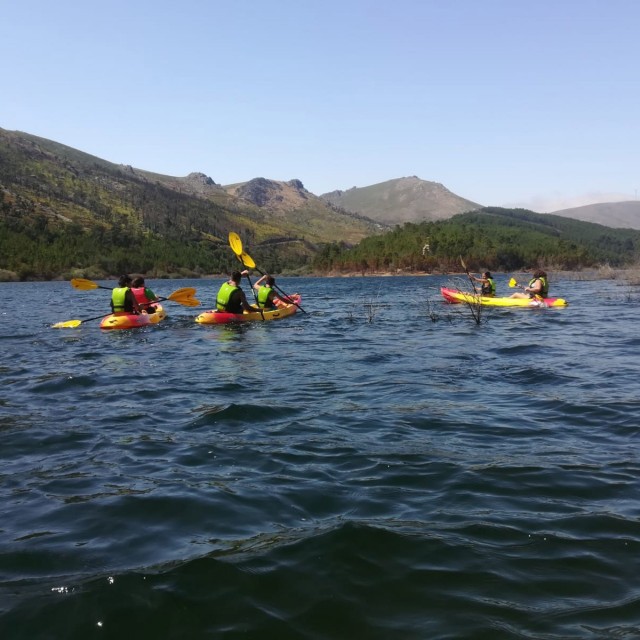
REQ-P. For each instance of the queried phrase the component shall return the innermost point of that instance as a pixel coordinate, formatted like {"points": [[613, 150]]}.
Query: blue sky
{"points": [[504, 102]]}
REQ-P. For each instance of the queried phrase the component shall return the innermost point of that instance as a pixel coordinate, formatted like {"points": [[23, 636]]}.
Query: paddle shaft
{"points": [[473, 284], [104, 315], [255, 295]]}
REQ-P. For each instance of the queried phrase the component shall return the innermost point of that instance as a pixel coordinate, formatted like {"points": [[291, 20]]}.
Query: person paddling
{"points": [[231, 297], [488, 287], [267, 297], [538, 286], [122, 298], [143, 295]]}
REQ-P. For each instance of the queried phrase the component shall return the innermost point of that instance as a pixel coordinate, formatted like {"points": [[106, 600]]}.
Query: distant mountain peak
{"points": [[201, 178], [271, 194], [407, 199], [618, 215]]}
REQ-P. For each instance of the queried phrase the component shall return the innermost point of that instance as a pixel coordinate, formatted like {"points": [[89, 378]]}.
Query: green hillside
{"points": [[64, 213], [490, 238]]}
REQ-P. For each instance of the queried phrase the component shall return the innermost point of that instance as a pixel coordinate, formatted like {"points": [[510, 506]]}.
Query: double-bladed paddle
{"points": [[184, 296]]}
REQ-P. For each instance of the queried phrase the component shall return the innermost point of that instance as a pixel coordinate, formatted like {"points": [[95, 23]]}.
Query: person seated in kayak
{"points": [[488, 288], [231, 297], [122, 298], [143, 295], [267, 296], [538, 286]]}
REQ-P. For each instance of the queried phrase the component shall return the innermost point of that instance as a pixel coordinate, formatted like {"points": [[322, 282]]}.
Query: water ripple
{"points": [[334, 475]]}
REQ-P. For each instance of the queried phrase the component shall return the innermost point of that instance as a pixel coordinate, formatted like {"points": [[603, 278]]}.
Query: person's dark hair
{"points": [[124, 281], [539, 273], [138, 282], [270, 280], [487, 274], [236, 276]]}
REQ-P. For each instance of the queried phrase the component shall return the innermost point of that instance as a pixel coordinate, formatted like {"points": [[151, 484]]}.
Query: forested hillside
{"points": [[65, 213], [491, 238]]}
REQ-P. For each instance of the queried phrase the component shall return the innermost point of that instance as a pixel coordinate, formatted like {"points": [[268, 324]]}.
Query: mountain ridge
{"points": [[617, 215], [66, 213], [400, 200], [79, 187]]}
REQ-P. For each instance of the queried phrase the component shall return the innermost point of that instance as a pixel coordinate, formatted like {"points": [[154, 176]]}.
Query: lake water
{"points": [[380, 467]]}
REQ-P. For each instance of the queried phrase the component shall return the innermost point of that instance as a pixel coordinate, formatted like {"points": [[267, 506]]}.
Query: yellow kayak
{"points": [[222, 317], [454, 296], [124, 320]]}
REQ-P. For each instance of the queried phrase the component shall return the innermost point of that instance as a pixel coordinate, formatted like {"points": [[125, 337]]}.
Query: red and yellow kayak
{"points": [[454, 296], [222, 317], [124, 320]]}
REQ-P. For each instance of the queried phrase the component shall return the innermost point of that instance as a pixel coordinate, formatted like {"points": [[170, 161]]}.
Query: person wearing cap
{"points": [[488, 288], [231, 297]]}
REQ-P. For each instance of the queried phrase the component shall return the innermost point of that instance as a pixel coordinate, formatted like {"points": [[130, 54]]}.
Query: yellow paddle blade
{"points": [[235, 243], [247, 260], [184, 296], [513, 283], [83, 284], [69, 324], [184, 292], [189, 302]]}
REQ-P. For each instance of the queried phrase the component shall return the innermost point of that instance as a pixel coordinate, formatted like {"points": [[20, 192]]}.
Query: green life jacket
{"points": [[222, 299], [263, 297], [544, 290], [489, 289], [118, 297]]}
